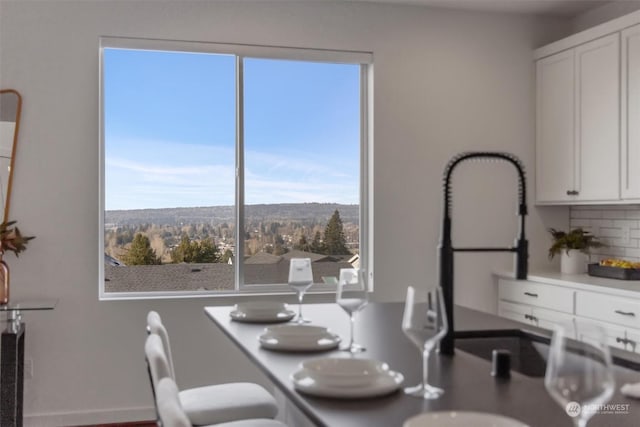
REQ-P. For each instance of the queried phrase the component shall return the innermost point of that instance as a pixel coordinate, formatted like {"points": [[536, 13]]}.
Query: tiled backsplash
{"points": [[616, 226]]}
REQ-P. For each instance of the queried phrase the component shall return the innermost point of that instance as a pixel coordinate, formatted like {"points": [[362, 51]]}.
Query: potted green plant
{"points": [[574, 249], [11, 239]]}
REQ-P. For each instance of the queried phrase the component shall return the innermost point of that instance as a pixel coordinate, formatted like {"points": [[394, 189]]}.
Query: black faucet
{"points": [[446, 250]]}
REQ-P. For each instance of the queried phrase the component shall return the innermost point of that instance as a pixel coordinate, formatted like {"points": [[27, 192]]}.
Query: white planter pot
{"points": [[574, 262]]}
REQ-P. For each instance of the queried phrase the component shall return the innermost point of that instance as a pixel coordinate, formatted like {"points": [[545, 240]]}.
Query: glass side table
{"points": [[12, 358]]}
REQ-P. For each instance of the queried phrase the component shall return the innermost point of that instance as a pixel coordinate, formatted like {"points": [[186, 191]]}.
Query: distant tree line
{"points": [[141, 253], [197, 243]]}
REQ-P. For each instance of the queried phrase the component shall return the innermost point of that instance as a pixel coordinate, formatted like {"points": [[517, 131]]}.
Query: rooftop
{"points": [[259, 269]]}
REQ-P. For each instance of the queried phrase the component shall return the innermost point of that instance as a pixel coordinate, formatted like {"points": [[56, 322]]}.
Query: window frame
{"points": [[242, 51]]}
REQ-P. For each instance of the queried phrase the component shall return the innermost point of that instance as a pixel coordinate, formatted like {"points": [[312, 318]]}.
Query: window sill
{"points": [[318, 294]]}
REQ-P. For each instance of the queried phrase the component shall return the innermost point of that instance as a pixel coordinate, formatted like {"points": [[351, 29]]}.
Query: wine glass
{"points": [[352, 296], [425, 323], [300, 279], [579, 375]]}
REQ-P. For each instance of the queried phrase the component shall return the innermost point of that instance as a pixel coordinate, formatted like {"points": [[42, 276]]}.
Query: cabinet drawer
{"points": [[517, 312], [608, 309], [536, 294]]}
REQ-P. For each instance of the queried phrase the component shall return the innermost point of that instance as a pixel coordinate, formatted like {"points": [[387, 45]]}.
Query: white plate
{"points": [[296, 330], [384, 384], [281, 316], [339, 372], [257, 307], [461, 418], [298, 338], [262, 312]]}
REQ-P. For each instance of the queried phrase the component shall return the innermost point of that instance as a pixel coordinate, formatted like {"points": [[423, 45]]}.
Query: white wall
{"points": [[604, 13], [445, 82], [618, 227]]}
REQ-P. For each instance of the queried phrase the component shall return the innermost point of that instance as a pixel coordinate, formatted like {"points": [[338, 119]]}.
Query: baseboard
{"points": [[79, 418]]}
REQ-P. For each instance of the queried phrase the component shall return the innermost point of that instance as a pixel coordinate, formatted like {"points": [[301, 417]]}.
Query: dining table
{"points": [[465, 378]]}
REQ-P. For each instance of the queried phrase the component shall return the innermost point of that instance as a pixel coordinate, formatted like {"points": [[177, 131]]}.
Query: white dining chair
{"points": [[172, 415], [208, 404]]}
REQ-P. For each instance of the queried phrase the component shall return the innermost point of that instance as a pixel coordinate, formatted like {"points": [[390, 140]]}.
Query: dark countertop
{"points": [[465, 378]]}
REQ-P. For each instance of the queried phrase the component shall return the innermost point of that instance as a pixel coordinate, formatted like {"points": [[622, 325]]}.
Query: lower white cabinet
{"points": [[543, 305], [632, 340], [543, 318], [610, 309], [517, 312], [536, 294], [535, 316], [620, 317]]}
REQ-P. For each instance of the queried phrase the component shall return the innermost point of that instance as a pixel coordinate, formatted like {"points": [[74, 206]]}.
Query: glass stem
{"points": [[353, 322], [300, 295], [425, 368]]}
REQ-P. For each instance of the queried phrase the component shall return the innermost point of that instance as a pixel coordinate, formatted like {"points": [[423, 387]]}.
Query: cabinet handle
{"points": [[621, 340], [530, 294], [572, 192], [626, 313]]}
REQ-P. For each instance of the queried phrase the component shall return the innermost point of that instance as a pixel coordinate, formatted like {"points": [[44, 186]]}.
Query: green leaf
{"points": [[576, 239]]}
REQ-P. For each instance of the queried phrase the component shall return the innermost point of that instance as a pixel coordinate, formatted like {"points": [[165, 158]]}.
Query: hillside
{"points": [[285, 212]]}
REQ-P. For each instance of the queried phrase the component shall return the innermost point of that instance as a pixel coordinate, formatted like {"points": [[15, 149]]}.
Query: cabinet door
{"points": [[632, 342], [555, 133], [615, 334], [597, 170], [630, 113], [517, 312], [544, 318]]}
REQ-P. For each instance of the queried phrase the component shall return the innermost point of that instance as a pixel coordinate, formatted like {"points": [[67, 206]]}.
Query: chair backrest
{"points": [[156, 360], [168, 403], [155, 326]]}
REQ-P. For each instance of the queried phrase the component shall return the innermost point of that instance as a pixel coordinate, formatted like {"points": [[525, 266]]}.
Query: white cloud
{"points": [[274, 163], [158, 174]]}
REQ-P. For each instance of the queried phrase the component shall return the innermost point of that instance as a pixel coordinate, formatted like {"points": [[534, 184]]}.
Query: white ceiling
{"points": [[565, 8]]}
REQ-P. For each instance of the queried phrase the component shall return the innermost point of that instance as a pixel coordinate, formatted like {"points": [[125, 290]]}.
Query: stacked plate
{"points": [[346, 378], [298, 338], [262, 312]]}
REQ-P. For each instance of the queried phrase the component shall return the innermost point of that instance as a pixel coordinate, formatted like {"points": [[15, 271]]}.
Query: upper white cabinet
{"points": [[578, 123], [630, 121], [555, 151], [598, 119], [587, 126]]}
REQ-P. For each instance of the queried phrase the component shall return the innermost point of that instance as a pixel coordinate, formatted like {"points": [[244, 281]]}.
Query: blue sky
{"points": [[170, 130]]}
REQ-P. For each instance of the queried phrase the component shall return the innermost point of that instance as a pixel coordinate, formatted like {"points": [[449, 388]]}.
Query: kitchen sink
{"points": [[528, 351]]}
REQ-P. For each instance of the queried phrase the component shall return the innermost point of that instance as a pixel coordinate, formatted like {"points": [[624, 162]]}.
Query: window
{"points": [[220, 163]]}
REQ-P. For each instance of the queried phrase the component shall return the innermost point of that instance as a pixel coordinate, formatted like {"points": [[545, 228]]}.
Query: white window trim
{"points": [[253, 51], [241, 51]]}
